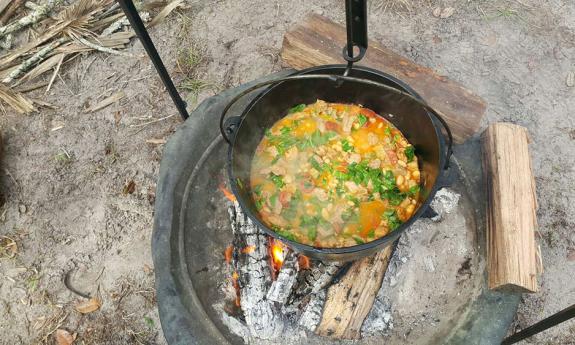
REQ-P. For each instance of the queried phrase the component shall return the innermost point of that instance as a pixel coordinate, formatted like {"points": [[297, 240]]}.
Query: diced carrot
{"points": [[370, 215], [306, 126], [360, 142]]}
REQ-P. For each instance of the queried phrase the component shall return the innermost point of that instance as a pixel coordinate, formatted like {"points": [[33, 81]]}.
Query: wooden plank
{"points": [[349, 301], [512, 262], [319, 41]]}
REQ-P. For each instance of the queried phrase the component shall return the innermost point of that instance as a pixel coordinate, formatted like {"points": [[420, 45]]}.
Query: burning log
{"points": [[282, 287], [349, 301], [263, 318], [313, 280], [311, 315]]}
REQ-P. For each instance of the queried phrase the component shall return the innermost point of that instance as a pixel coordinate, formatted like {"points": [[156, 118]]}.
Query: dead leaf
{"points": [[165, 12], [447, 12], [129, 188], [8, 247], [570, 80], [89, 306], [437, 12], [106, 102], [63, 337]]}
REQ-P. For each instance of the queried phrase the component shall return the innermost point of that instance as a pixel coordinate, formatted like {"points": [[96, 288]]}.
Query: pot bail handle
{"points": [[356, 25]]}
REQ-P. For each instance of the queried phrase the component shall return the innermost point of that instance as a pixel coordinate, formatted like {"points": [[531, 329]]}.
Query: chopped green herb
{"points": [[309, 221], [387, 131], [268, 133], [394, 196], [315, 164], [346, 146], [277, 180], [258, 190], [273, 200], [371, 233], [341, 175], [393, 221], [410, 153], [259, 204], [285, 130], [312, 234], [296, 109], [358, 240], [396, 138], [413, 190], [362, 119], [284, 233]]}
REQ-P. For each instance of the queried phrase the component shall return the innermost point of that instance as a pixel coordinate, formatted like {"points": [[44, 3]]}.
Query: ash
{"points": [[420, 294]]}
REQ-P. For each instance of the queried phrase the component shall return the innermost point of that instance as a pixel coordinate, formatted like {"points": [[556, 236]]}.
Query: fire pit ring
{"points": [[183, 313]]}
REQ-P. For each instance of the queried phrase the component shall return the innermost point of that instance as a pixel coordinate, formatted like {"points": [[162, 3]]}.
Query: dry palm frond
{"points": [[14, 99]]}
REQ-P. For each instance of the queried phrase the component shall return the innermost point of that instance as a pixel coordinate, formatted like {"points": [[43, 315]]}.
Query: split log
{"points": [[349, 301], [319, 41], [251, 260], [282, 287], [511, 209]]}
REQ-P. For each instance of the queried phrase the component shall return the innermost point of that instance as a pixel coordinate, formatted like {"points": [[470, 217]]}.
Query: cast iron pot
{"points": [[375, 90]]}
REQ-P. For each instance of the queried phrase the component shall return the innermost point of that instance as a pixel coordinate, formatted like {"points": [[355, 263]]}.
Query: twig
{"points": [[24, 89], [34, 59], [41, 12], [56, 71], [100, 48], [10, 11], [154, 121]]}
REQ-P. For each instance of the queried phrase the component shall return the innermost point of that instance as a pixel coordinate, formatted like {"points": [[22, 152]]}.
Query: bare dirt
{"points": [[70, 207]]}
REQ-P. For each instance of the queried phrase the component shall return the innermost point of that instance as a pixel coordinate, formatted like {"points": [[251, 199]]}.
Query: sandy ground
{"points": [[68, 208]]}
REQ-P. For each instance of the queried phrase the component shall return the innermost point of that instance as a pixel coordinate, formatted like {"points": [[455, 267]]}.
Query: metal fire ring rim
{"points": [[180, 326]]}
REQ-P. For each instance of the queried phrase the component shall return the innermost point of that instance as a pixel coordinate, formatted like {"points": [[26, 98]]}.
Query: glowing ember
{"points": [[303, 262], [231, 197], [236, 283], [248, 249], [228, 254]]}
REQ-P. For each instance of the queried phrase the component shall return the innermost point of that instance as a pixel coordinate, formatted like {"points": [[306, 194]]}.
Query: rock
{"points": [[22, 208]]}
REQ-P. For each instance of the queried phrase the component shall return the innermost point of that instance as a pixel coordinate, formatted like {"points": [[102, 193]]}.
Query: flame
{"points": [[303, 262], [228, 254], [277, 254], [248, 249], [231, 197]]}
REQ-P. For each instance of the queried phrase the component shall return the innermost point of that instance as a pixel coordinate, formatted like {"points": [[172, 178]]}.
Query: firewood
{"points": [[263, 319], [315, 279], [281, 288], [511, 209], [349, 301], [319, 41]]}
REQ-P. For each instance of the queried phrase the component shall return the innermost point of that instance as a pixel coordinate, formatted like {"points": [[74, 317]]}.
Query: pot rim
{"points": [[392, 235]]}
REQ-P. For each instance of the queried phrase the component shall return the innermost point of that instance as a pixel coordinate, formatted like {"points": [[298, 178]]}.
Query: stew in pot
{"points": [[334, 175]]}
